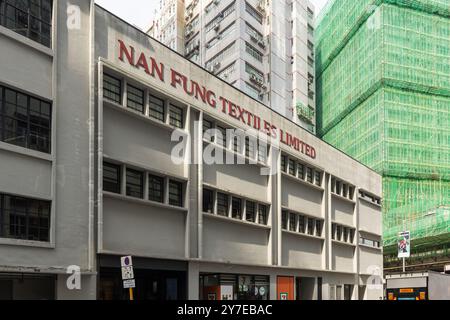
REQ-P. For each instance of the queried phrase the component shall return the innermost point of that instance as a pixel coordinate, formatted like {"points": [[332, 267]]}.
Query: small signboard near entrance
{"points": [[128, 284], [128, 274]]}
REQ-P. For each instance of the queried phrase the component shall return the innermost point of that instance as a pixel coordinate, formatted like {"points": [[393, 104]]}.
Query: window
{"points": [[112, 88], [25, 121], [254, 13], [292, 222], [302, 224], [253, 71], [301, 171], [253, 52], [222, 204], [176, 116], [221, 136], [236, 208], [333, 231], [155, 188], [24, 219], [351, 192], [262, 153], [262, 214], [309, 175], [338, 187], [338, 233], [311, 226], [111, 178], [250, 147], [208, 133], [135, 184], [250, 212], [32, 19], [283, 163], [318, 228], [291, 167], [135, 99], [208, 201], [345, 234], [318, 178], [175, 193], [252, 32], [352, 236], [284, 220], [156, 108]]}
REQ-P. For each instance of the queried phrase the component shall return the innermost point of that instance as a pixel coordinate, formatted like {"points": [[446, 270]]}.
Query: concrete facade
{"points": [[336, 197], [264, 48]]}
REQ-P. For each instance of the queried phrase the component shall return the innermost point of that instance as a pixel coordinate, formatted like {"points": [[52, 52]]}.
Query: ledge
{"points": [[141, 116], [27, 42], [339, 197], [304, 182], [235, 221], [370, 202], [303, 235], [344, 243], [26, 243], [25, 152], [364, 246], [143, 202]]}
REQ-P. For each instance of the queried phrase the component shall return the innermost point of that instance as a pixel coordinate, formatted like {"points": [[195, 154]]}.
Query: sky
{"points": [[140, 12]]}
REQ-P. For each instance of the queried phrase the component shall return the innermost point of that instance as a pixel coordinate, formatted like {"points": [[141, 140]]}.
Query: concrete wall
{"points": [[302, 253]]}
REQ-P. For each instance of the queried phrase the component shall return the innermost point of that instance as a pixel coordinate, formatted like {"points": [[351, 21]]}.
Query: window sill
{"points": [[344, 243], [337, 196], [364, 246], [26, 243], [141, 116], [370, 202], [248, 161], [306, 183], [236, 221], [303, 235], [236, 195], [25, 152], [143, 202], [27, 42]]}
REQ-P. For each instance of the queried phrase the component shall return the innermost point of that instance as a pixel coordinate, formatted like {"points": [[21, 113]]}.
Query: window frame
{"points": [[129, 193], [152, 190], [180, 196], [118, 183]]}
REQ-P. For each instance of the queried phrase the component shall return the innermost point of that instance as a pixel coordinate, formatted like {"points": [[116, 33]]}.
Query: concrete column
{"points": [[193, 281]]}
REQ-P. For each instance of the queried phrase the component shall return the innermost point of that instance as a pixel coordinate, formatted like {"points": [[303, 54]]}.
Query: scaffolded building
{"points": [[383, 88]]}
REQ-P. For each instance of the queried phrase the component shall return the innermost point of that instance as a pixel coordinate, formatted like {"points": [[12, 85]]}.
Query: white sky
{"points": [[140, 12]]}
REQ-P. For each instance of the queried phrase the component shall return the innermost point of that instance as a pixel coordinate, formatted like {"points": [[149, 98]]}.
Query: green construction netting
{"points": [[396, 46], [420, 206], [398, 133], [340, 19]]}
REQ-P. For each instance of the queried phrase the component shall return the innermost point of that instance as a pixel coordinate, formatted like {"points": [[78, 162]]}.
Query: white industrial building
{"points": [[88, 108], [265, 48]]}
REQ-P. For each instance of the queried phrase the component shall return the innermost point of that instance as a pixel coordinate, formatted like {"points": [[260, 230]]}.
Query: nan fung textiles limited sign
{"points": [[208, 97]]}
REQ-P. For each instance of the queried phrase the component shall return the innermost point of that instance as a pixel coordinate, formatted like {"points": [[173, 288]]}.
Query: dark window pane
{"points": [[208, 201], [283, 163], [311, 226], [292, 222], [135, 99], [284, 220], [262, 214], [24, 219], [236, 208], [112, 88], [176, 193], [176, 116], [30, 18], [135, 184], [250, 214], [155, 189], [302, 224], [222, 204], [156, 108], [111, 177], [292, 167], [309, 175]]}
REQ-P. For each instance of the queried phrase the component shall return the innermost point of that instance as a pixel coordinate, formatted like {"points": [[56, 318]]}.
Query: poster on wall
{"points": [[226, 292], [404, 244]]}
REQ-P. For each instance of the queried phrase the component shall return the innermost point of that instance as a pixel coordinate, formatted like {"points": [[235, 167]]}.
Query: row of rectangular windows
{"points": [[253, 52], [112, 90], [134, 185], [342, 233], [253, 12], [213, 132], [30, 18], [25, 121], [342, 189], [301, 171], [369, 242], [301, 224], [225, 13], [24, 219], [228, 204]]}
